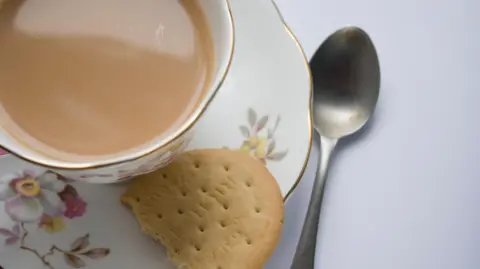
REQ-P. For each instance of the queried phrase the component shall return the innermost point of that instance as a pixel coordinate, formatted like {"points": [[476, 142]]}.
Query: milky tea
{"points": [[86, 78]]}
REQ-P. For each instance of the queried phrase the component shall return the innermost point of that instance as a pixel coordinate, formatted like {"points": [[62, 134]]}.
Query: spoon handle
{"points": [[305, 254]]}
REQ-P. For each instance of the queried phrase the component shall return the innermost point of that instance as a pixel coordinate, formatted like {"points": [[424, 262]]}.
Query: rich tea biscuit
{"points": [[211, 208]]}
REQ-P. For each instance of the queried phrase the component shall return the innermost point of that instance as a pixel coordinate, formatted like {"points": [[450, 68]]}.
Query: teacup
{"points": [[162, 151]]}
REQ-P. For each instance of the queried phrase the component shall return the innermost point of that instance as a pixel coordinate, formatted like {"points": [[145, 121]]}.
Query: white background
{"points": [[406, 193]]}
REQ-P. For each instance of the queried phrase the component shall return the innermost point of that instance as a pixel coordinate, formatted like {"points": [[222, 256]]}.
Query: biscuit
{"points": [[211, 208]]}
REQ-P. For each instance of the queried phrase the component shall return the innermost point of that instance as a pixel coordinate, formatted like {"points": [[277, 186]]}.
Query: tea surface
{"points": [[88, 78]]}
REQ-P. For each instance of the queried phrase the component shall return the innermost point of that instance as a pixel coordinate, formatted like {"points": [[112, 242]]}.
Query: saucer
{"points": [[263, 108]]}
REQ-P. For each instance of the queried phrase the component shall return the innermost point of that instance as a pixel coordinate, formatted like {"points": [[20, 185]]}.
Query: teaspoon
{"points": [[346, 82]]}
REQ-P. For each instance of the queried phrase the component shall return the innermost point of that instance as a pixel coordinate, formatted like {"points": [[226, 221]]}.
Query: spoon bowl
{"points": [[346, 80], [346, 85]]}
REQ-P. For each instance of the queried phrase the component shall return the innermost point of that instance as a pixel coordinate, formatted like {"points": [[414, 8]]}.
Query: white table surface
{"points": [[406, 194]]}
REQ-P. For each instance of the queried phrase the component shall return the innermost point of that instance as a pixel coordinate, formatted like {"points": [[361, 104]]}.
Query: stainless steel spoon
{"points": [[346, 81]]}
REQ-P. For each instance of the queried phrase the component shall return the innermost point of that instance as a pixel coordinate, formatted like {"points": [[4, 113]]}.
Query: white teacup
{"points": [[159, 153]]}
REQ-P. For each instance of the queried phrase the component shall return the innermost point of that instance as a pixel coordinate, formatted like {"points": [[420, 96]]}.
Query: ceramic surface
{"points": [[47, 221]]}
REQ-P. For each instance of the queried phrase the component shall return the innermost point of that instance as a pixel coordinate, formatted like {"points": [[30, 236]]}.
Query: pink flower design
{"points": [[44, 219], [75, 206], [28, 196], [45, 200]]}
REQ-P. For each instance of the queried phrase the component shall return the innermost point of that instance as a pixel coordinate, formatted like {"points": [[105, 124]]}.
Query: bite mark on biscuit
{"points": [[194, 227]]}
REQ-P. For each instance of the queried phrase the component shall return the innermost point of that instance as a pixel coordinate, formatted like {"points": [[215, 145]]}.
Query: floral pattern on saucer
{"points": [[47, 202], [259, 138], [156, 163]]}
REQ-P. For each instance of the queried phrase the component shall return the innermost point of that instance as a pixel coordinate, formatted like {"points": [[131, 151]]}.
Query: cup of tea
{"points": [[101, 91]]}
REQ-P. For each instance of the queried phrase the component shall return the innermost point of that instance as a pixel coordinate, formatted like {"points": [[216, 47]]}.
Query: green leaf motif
{"points": [[11, 240], [6, 232], [278, 156], [74, 261], [97, 253], [80, 243], [271, 147], [252, 117], [277, 122], [269, 133], [245, 132], [261, 123]]}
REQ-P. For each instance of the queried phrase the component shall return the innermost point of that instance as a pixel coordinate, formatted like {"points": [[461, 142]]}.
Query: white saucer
{"points": [[263, 106], [269, 82]]}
